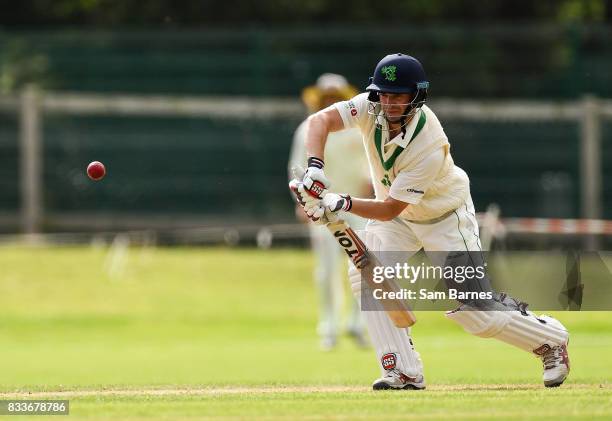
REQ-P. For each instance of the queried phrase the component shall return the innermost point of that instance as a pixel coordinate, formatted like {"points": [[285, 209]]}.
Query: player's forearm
{"points": [[381, 210], [316, 135], [320, 125]]}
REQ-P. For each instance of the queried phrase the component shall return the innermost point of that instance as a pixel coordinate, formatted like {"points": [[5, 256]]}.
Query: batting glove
{"points": [[315, 182], [334, 203], [311, 205]]}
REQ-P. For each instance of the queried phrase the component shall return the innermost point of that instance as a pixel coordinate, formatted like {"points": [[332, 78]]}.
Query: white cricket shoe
{"points": [[556, 366], [396, 380]]}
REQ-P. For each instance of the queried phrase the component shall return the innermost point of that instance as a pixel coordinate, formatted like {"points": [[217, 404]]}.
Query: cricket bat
{"points": [[398, 311]]}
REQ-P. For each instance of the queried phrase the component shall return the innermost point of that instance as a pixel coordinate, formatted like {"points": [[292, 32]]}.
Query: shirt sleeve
{"points": [[409, 186], [354, 112]]}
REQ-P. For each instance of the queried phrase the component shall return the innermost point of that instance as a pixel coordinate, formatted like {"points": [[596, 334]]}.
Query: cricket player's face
{"points": [[394, 105]]}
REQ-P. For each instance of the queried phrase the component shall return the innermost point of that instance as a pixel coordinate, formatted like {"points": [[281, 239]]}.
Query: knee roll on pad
{"points": [[524, 330]]}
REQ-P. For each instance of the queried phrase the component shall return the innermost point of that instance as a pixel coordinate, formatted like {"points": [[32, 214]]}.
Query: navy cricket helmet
{"points": [[399, 74]]}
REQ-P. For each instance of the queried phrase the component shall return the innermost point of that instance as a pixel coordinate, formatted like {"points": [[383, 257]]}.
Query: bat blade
{"points": [[398, 311]]}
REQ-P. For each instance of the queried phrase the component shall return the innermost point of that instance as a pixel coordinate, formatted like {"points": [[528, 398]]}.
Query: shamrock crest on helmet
{"points": [[389, 72]]}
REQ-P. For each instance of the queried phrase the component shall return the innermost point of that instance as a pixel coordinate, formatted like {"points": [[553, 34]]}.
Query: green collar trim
{"points": [[398, 149]]}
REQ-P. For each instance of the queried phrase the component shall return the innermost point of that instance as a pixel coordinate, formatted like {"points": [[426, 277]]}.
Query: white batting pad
{"points": [[394, 348], [525, 331]]}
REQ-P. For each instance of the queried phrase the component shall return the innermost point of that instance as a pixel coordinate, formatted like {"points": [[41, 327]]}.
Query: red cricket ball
{"points": [[96, 170]]}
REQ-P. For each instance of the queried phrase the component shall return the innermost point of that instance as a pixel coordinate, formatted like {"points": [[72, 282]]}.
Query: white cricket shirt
{"points": [[416, 168]]}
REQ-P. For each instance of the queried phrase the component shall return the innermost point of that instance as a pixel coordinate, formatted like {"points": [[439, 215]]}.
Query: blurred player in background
{"points": [[422, 201], [343, 146]]}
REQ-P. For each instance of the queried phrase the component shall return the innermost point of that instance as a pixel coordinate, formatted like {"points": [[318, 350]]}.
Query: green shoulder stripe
{"points": [[398, 149], [420, 125]]}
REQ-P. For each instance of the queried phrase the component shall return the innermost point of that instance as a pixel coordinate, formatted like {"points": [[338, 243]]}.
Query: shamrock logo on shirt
{"points": [[385, 181]]}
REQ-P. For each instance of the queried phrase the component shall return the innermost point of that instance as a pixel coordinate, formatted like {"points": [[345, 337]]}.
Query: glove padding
{"points": [[334, 203], [328, 209], [314, 180], [311, 205], [321, 211], [319, 205]]}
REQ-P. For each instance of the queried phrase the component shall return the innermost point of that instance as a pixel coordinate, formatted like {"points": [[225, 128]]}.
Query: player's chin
{"points": [[393, 119]]}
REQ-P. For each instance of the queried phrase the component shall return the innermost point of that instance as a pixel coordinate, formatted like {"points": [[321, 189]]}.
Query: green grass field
{"points": [[229, 334]]}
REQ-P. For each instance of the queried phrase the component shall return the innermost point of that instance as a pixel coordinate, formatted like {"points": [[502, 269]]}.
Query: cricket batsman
{"points": [[422, 201], [341, 146]]}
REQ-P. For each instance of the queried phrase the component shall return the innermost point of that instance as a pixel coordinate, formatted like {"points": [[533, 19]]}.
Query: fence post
{"points": [[30, 161], [590, 159], [590, 165]]}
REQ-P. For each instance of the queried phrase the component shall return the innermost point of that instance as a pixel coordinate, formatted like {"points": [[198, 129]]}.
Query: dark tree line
{"points": [[307, 12]]}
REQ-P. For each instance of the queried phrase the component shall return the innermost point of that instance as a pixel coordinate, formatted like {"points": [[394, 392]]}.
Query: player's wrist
{"points": [[315, 162], [348, 203]]}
